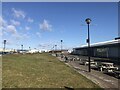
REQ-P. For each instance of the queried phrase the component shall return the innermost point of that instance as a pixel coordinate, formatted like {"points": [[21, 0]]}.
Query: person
{"points": [[66, 58]]}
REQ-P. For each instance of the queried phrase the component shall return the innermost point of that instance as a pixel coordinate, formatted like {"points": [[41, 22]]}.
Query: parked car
{"points": [[107, 67], [83, 61], [93, 64], [117, 74], [86, 62], [76, 58], [70, 58]]}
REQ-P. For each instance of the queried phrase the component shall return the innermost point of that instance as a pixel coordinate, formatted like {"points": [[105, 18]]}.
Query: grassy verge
{"points": [[40, 71]]}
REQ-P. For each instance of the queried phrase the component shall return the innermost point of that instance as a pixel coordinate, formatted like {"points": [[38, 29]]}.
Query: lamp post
{"points": [[22, 48], [61, 45], [61, 48], [53, 50], [29, 48], [55, 47], [4, 45], [88, 20]]}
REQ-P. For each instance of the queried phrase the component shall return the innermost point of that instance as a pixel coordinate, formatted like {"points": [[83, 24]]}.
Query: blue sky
{"points": [[42, 25]]}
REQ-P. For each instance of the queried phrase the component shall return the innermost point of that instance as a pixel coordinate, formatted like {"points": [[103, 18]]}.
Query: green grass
{"points": [[40, 71]]}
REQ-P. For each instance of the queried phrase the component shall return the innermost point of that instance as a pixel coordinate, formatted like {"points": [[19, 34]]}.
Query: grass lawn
{"points": [[40, 71]]}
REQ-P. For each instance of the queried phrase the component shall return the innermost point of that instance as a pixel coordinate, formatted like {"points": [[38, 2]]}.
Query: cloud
{"points": [[11, 29], [1, 26], [6, 29], [1, 34], [18, 13], [45, 26], [44, 46], [3, 23], [17, 37], [30, 20], [25, 36], [27, 28], [16, 23], [38, 34], [20, 36]]}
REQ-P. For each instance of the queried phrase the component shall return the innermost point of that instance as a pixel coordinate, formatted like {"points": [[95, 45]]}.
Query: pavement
{"points": [[103, 80]]}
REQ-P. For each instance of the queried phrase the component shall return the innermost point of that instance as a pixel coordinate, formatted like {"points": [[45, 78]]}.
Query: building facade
{"points": [[108, 49]]}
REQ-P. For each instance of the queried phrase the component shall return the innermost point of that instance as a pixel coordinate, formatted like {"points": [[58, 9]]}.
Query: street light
{"points": [[22, 48], [55, 47], [29, 48], [61, 45], [88, 20], [4, 45], [61, 48]]}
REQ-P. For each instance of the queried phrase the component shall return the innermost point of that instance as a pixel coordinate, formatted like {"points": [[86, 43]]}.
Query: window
{"points": [[101, 52]]}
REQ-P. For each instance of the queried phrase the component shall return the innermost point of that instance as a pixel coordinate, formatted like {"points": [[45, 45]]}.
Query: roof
{"points": [[106, 63], [60, 50], [103, 43], [117, 38]]}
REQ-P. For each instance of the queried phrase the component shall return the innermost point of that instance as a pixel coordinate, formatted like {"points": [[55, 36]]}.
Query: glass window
{"points": [[102, 52]]}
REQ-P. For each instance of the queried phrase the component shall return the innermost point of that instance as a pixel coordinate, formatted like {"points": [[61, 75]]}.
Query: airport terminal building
{"points": [[107, 49]]}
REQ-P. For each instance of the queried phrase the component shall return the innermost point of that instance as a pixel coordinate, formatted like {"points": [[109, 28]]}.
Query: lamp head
{"points": [[88, 20], [4, 41]]}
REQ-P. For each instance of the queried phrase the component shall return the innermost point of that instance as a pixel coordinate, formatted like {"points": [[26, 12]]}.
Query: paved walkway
{"points": [[103, 80]]}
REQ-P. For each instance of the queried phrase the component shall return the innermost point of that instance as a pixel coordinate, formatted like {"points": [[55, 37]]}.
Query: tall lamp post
{"points": [[22, 48], [61, 48], [4, 45], [61, 45], [55, 47], [29, 48], [88, 20]]}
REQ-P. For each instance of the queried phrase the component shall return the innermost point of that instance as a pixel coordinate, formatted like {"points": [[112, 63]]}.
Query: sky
{"points": [[42, 25]]}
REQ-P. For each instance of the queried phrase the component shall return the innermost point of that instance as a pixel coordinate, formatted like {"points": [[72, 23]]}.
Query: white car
{"points": [[93, 64], [82, 61], [87, 62], [107, 67]]}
